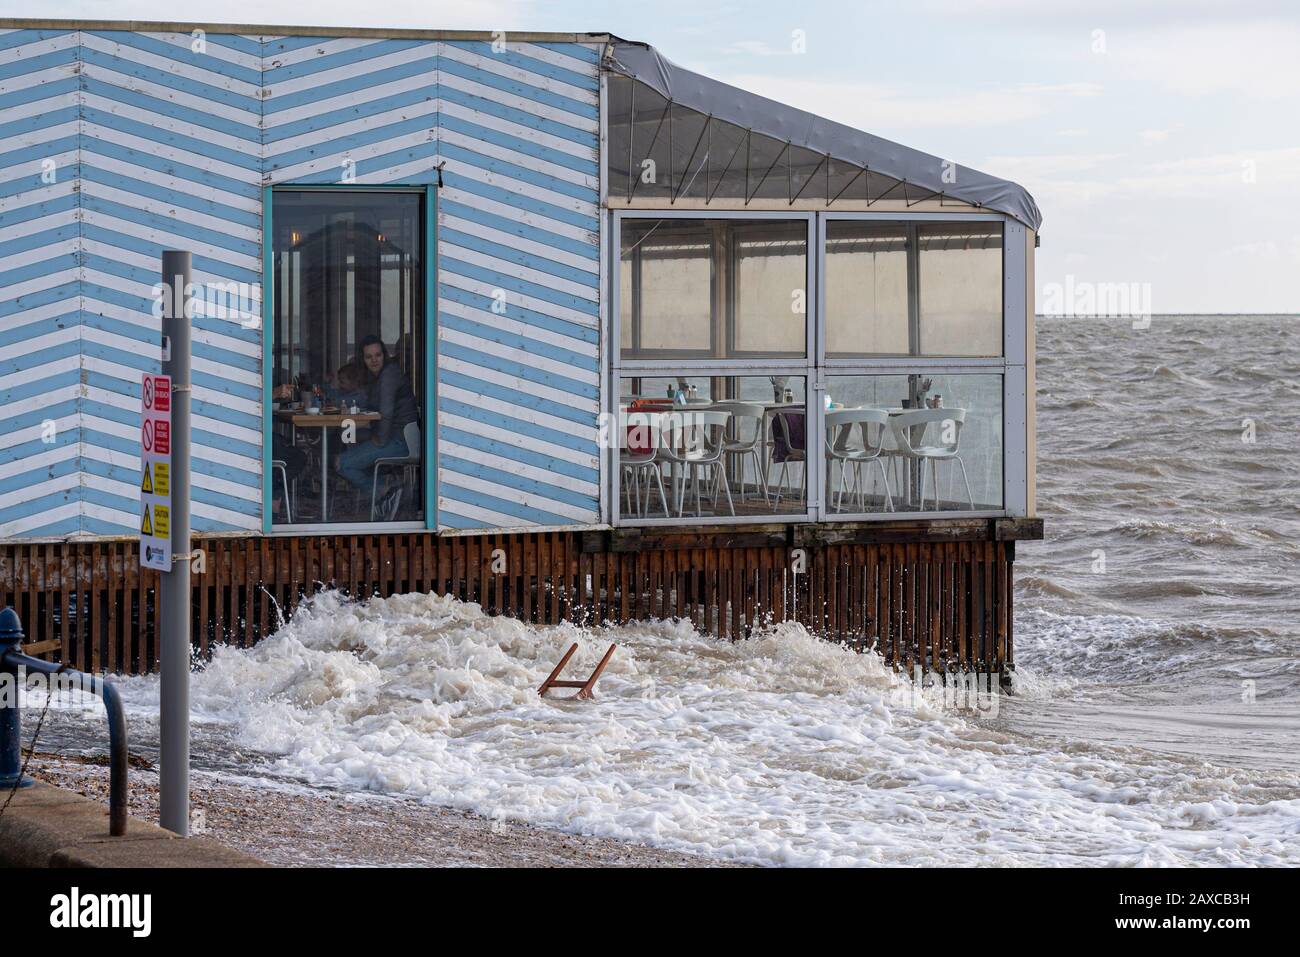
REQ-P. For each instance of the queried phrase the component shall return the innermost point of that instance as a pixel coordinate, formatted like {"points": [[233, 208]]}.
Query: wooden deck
{"points": [[934, 594]]}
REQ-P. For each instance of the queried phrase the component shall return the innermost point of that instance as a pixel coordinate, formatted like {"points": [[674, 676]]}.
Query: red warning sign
{"points": [[156, 393], [162, 393], [156, 437]]}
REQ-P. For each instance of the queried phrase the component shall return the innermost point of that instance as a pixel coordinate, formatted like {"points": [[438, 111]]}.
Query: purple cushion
{"points": [[795, 424]]}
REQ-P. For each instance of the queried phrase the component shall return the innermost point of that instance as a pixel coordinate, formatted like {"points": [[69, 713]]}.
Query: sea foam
{"points": [[781, 749]]}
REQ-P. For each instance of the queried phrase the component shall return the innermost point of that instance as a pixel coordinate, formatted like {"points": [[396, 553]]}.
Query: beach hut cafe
{"points": [[543, 321]]}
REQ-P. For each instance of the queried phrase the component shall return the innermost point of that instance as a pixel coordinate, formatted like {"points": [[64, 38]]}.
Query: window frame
{"points": [[619, 368], [429, 399], [928, 365], [816, 367], [923, 369], [657, 362], [911, 221]]}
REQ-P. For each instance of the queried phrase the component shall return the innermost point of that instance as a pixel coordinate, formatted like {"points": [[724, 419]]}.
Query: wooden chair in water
{"points": [[583, 686]]}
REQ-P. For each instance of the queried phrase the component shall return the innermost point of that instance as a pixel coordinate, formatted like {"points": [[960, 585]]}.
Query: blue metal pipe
{"points": [[12, 660]]}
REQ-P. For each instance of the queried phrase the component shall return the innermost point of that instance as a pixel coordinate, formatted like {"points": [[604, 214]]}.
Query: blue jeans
{"points": [[357, 464]]}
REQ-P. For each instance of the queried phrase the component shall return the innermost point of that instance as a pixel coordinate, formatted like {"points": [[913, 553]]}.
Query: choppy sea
{"points": [[1156, 719]]}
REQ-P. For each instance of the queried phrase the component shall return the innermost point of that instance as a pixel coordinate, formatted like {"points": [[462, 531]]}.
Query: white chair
{"points": [[911, 430], [690, 443], [641, 429], [840, 426], [408, 462], [279, 464], [738, 448]]}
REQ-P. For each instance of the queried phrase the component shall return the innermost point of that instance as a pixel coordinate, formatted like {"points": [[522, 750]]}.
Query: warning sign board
{"points": [[162, 479], [155, 472]]}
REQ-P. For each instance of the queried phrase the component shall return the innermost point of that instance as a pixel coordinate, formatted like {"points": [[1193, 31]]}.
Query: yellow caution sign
{"points": [[161, 521], [162, 478], [146, 526], [146, 482]]}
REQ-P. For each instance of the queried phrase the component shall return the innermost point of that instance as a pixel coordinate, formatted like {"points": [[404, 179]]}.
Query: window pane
{"points": [[347, 333], [866, 289], [768, 291], [910, 443], [618, 134], [960, 276], [958, 281], [713, 288], [703, 446], [667, 281]]}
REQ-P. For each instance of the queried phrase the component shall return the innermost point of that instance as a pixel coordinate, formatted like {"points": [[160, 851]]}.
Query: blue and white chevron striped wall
{"points": [[117, 145]]}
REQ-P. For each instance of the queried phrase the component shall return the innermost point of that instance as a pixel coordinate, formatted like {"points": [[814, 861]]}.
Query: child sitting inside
{"points": [[347, 388]]}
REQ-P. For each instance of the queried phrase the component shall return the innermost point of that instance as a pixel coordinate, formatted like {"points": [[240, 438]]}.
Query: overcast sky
{"points": [[1160, 139]]}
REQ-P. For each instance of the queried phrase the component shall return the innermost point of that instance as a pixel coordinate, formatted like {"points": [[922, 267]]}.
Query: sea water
{"points": [[1154, 721]]}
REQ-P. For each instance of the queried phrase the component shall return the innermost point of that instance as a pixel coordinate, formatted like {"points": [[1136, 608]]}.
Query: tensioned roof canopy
{"points": [[804, 149]]}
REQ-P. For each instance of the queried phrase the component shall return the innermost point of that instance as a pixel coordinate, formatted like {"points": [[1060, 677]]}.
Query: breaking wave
{"points": [[782, 749]]}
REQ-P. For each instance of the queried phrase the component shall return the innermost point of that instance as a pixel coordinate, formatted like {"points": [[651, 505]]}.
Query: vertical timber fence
{"points": [[935, 597]]}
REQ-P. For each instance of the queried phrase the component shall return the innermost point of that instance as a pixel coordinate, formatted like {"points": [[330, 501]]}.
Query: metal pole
{"points": [[174, 618]]}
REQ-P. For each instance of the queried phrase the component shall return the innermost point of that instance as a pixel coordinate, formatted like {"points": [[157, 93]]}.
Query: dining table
{"points": [[324, 420]]}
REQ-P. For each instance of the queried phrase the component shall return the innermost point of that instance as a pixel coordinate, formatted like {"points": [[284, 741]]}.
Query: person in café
{"points": [[348, 387], [389, 393]]}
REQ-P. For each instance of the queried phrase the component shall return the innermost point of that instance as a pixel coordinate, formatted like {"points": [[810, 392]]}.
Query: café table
{"points": [[325, 421]]}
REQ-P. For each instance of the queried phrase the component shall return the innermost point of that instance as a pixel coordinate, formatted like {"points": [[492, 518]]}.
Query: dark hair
{"points": [[352, 373], [370, 341]]}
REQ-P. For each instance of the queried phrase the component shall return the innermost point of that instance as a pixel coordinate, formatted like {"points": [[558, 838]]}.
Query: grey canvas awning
{"points": [[806, 148]]}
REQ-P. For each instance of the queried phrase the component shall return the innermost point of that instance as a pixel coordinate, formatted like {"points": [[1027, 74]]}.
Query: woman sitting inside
{"points": [[389, 393]]}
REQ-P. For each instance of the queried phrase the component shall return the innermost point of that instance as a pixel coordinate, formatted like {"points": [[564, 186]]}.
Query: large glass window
{"points": [[713, 288], [928, 289], [913, 443], [705, 445], [728, 410], [347, 356]]}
